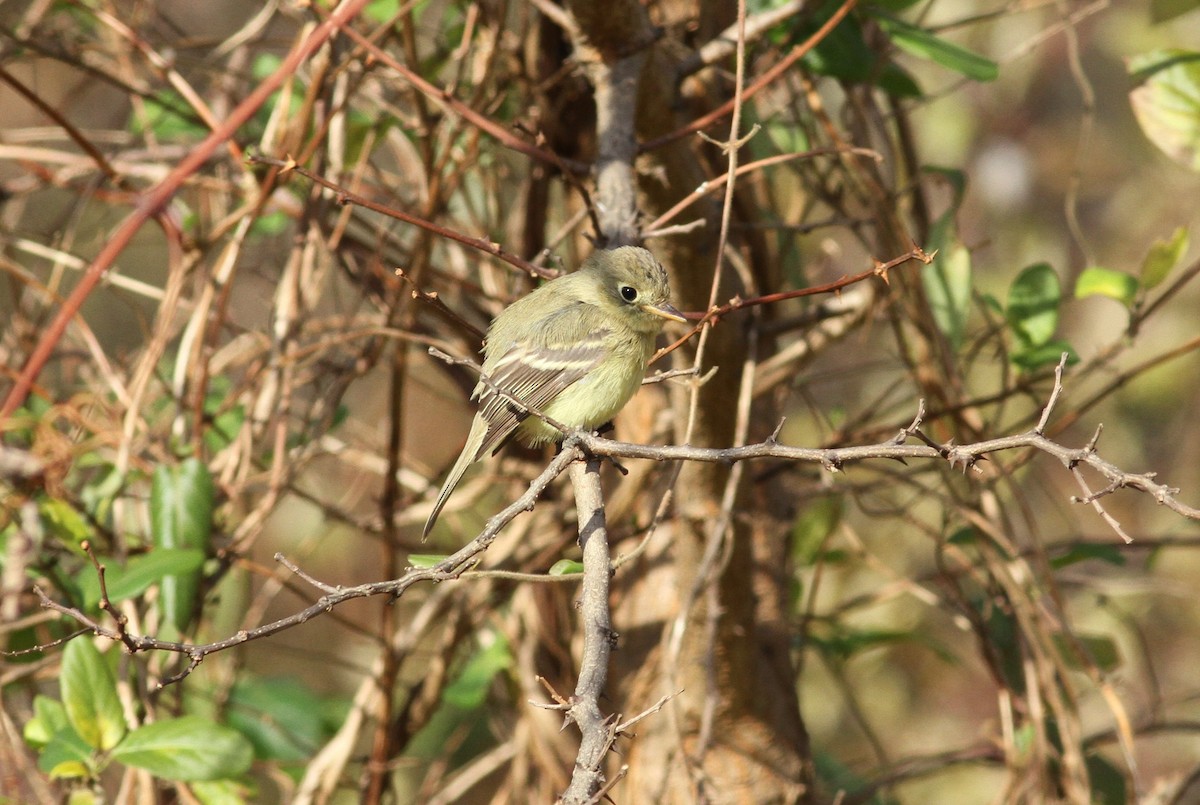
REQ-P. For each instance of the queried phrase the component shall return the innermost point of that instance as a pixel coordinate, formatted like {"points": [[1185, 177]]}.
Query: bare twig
{"points": [[580, 444], [344, 196], [152, 203], [761, 83], [449, 568]]}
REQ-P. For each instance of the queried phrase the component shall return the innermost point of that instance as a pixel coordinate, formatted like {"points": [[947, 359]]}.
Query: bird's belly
{"points": [[587, 403]]}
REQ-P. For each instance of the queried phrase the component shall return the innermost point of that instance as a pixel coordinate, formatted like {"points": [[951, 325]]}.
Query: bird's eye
{"points": [[628, 293]]}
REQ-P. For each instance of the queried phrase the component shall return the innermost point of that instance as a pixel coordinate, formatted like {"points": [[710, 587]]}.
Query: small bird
{"points": [[576, 349]]}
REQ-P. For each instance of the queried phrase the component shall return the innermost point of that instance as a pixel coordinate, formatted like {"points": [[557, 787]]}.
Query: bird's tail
{"points": [[468, 456]]}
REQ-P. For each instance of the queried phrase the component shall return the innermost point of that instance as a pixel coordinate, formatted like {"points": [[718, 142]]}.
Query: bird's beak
{"points": [[666, 310]]}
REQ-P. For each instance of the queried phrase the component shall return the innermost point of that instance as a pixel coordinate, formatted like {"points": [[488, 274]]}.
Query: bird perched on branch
{"points": [[573, 351]]}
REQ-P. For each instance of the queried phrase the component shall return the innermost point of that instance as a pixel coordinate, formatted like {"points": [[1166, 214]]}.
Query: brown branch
{"points": [[725, 43], [155, 200], [480, 121], [653, 229], [449, 568], [69, 128], [580, 445], [764, 81], [712, 317], [345, 196]]}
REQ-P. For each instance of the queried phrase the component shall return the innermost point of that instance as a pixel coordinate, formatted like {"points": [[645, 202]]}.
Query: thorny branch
{"points": [[580, 445]]}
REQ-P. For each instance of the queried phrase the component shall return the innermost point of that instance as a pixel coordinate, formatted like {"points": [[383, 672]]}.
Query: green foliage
{"points": [[1166, 102], [139, 574], [1081, 553], [1107, 782], [469, 689], [464, 703], [283, 719], [1032, 315], [1164, 10], [80, 736], [226, 420], [845, 54], [948, 280], [922, 44], [1162, 257], [181, 513], [186, 748], [222, 792], [1100, 651], [89, 694], [816, 522], [566, 567], [67, 755], [426, 560], [1096, 281], [839, 776], [62, 752], [64, 523], [1033, 301], [168, 116]]}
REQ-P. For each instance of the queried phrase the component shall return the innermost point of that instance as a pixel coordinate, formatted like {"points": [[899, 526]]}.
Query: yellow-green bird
{"points": [[576, 349]]}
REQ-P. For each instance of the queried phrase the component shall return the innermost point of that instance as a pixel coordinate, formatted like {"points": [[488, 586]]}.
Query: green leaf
{"points": [[271, 223], [1096, 281], [1047, 354], [1033, 302], [1162, 257], [1166, 102], [139, 573], [469, 690], [222, 792], [1107, 782], [186, 748], [922, 44], [85, 796], [225, 425], [566, 567], [845, 642], [965, 536], [1081, 553], [49, 718], [1164, 10], [381, 11], [845, 54], [181, 512], [1101, 650], [67, 755], [282, 718], [169, 116], [813, 527], [65, 523], [948, 282], [89, 695]]}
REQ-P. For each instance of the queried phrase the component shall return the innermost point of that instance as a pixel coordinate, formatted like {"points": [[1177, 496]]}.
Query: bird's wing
{"points": [[534, 374]]}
